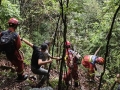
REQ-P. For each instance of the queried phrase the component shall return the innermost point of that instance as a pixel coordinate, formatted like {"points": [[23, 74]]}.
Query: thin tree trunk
{"points": [[0, 2], [107, 46]]}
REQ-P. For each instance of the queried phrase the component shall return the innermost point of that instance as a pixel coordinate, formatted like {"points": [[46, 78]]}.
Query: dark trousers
{"points": [[43, 73], [118, 87]]}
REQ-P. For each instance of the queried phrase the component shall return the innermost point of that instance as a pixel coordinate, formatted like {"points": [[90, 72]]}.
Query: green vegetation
{"points": [[89, 22]]}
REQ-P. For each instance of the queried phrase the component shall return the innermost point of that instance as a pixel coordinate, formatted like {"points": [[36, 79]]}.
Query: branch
{"points": [[64, 19], [97, 50], [0, 2], [107, 46], [53, 49], [112, 88]]}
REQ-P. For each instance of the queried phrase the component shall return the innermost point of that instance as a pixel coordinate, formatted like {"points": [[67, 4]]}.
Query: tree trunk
{"points": [[0, 2]]}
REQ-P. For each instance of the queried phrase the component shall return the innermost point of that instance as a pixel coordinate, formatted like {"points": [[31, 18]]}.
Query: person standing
{"points": [[12, 49], [72, 66]]}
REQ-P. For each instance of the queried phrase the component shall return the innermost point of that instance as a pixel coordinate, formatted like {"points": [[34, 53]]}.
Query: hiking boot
{"points": [[39, 85], [21, 78], [67, 84], [75, 84]]}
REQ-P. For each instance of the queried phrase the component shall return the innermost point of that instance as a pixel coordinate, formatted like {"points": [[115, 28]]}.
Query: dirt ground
{"points": [[8, 75]]}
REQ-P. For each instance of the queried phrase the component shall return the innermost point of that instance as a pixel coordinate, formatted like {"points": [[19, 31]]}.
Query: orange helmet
{"points": [[13, 21], [100, 60], [67, 43]]}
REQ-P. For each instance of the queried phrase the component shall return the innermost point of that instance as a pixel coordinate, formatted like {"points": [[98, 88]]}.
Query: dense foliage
{"points": [[89, 22]]}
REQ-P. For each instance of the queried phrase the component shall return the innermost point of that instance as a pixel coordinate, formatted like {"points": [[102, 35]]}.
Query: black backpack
{"points": [[7, 41]]}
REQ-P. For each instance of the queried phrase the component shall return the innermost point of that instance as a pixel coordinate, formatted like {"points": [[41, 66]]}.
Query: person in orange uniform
{"points": [[72, 66], [89, 62], [12, 51]]}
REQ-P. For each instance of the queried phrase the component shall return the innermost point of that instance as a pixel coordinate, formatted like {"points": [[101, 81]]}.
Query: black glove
{"points": [[95, 68], [21, 39]]}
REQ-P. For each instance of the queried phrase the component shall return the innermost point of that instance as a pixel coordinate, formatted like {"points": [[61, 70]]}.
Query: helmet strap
{"points": [[13, 25]]}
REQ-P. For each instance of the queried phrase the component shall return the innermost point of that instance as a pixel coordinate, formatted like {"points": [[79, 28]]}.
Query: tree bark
{"points": [[0, 2]]}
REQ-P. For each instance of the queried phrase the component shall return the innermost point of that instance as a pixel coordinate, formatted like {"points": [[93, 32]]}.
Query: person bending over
{"points": [[89, 62], [38, 59]]}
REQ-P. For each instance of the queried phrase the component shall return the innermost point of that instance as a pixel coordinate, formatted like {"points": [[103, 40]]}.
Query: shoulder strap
{"points": [[3, 32], [14, 34]]}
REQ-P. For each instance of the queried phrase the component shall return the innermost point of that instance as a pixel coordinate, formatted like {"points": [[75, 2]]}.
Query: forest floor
{"points": [[8, 75]]}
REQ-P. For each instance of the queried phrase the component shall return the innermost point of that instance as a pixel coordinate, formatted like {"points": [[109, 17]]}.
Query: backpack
{"points": [[7, 41]]}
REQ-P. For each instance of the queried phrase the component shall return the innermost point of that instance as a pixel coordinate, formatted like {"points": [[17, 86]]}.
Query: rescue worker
{"points": [[89, 62], [72, 66], [12, 51]]}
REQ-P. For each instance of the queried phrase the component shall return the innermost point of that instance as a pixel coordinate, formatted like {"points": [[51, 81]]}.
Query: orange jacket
{"points": [[89, 61]]}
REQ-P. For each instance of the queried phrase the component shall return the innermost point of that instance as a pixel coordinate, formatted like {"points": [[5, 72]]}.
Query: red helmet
{"points": [[100, 60], [67, 43], [13, 21]]}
